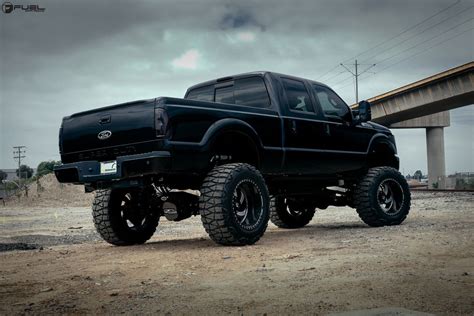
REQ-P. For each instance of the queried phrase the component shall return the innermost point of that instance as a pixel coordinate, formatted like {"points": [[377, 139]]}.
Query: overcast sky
{"points": [[79, 55]]}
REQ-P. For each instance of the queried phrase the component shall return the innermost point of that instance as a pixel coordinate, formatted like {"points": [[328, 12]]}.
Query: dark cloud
{"points": [[236, 18]]}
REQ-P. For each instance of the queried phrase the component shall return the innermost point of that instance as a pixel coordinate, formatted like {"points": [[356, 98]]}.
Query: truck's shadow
{"points": [[272, 236]]}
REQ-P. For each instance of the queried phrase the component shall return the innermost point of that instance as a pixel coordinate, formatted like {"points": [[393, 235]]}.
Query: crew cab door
{"points": [[346, 144], [303, 128]]}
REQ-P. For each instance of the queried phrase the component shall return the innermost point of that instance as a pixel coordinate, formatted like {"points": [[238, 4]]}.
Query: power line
{"points": [[393, 37], [418, 34], [425, 41], [417, 53], [328, 72], [335, 76], [404, 31], [397, 44], [414, 46], [425, 50], [341, 81]]}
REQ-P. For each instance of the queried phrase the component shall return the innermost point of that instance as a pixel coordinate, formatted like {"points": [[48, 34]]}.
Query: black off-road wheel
{"points": [[234, 204], [124, 217], [382, 197], [285, 213]]}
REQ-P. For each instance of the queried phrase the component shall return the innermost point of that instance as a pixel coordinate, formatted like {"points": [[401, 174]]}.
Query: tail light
{"points": [[61, 139], [161, 122]]}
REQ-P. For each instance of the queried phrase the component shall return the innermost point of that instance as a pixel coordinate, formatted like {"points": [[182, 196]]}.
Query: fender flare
{"points": [[235, 126], [230, 125], [380, 138]]}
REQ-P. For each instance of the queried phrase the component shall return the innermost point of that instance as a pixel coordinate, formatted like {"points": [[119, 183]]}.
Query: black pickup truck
{"points": [[238, 151]]}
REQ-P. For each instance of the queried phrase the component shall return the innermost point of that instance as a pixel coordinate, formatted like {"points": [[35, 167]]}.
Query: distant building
{"points": [[460, 181], [11, 174]]}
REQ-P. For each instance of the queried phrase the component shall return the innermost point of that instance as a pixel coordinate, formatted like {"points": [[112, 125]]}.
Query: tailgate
{"points": [[108, 132]]}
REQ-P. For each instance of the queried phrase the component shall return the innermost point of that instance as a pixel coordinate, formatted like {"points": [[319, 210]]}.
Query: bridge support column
{"points": [[436, 161]]}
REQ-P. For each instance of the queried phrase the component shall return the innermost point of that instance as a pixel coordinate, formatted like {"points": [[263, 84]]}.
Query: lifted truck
{"points": [[253, 147]]}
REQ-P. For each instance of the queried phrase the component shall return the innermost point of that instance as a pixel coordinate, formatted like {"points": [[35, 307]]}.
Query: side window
{"points": [[202, 94], [251, 92], [298, 98], [331, 103], [225, 95]]}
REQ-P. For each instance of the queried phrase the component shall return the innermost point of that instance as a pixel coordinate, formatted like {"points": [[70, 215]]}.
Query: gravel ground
{"points": [[335, 264]]}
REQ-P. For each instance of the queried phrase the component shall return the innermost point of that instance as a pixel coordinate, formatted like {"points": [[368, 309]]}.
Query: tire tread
{"points": [[213, 211], [101, 214], [363, 197]]}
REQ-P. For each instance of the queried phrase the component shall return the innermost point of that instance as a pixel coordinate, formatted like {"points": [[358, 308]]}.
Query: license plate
{"points": [[107, 167]]}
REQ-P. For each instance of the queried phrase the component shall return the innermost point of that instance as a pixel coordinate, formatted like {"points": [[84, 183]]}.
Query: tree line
{"points": [[26, 172]]}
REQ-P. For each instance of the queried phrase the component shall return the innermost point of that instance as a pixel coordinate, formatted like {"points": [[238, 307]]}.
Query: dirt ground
{"points": [[335, 264]]}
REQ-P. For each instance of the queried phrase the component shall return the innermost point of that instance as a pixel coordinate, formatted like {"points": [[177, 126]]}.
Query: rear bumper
{"points": [[127, 167]]}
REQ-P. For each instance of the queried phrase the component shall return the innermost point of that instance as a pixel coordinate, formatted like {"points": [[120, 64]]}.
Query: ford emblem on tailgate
{"points": [[104, 135]]}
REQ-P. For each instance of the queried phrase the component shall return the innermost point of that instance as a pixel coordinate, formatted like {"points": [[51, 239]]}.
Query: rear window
{"points": [[249, 91], [225, 95], [202, 94]]}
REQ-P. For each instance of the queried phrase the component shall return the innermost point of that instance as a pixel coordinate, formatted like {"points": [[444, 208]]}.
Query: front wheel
{"points": [[382, 197], [234, 204], [124, 217]]}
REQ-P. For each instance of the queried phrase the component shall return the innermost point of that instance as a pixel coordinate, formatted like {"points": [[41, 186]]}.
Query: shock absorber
{"points": [[169, 209], [161, 191]]}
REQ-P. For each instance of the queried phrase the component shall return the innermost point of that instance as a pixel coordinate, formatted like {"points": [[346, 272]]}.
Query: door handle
{"points": [[293, 127], [327, 129]]}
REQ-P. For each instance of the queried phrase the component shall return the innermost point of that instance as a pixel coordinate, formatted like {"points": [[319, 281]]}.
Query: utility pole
{"points": [[357, 81], [19, 154], [356, 74]]}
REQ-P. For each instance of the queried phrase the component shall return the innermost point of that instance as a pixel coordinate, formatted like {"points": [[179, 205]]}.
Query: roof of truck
{"points": [[248, 74]]}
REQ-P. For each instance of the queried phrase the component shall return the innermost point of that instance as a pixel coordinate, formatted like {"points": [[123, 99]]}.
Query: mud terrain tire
{"points": [[234, 204], [382, 197], [121, 218]]}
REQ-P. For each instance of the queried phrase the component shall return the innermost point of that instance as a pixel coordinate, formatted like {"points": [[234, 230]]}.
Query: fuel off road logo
{"points": [[8, 7]]}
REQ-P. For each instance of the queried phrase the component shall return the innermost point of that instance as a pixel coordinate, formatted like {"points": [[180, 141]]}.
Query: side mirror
{"points": [[365, 113]]}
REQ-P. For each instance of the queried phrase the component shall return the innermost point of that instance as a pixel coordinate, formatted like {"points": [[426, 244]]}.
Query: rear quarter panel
{"points": [[193, 125]]}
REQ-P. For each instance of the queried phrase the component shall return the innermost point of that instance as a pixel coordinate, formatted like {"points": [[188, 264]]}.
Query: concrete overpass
{"points": [[426, 104]]}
